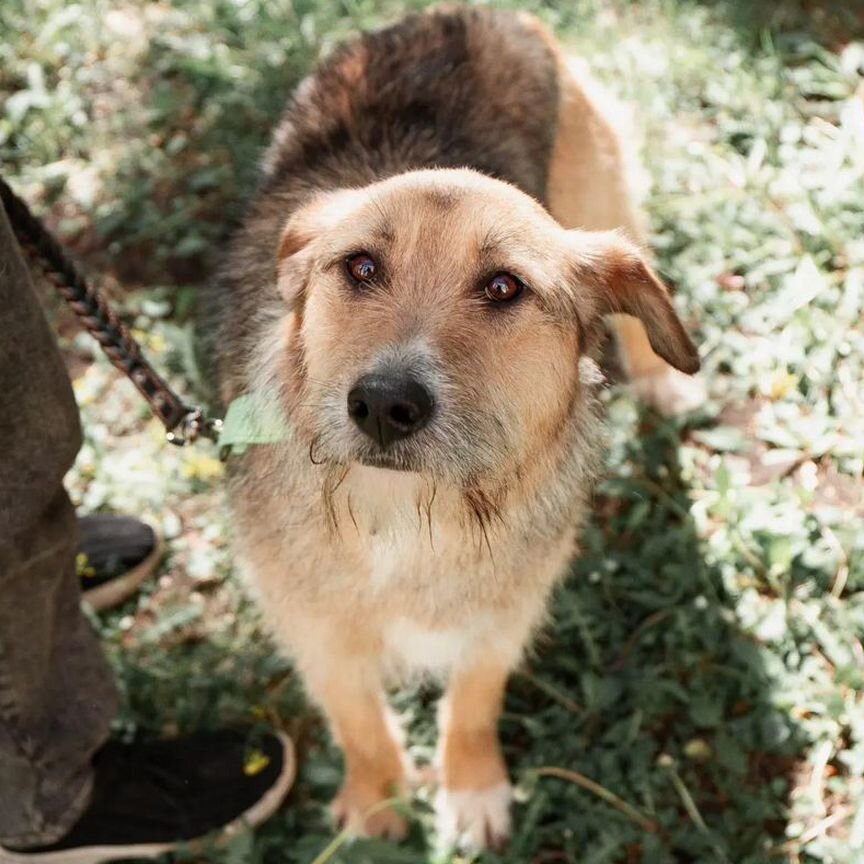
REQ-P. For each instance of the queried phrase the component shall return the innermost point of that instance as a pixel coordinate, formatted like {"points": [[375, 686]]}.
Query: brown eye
{"points": [[362, 267], [504, 287]]}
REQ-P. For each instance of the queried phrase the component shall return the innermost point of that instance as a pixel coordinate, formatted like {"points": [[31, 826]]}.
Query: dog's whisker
{"points": [[429, 503], [351, 513], [312, 444]]}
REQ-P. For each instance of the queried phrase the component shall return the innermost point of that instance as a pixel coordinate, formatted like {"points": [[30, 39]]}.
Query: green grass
{"points": [[705, 660]]}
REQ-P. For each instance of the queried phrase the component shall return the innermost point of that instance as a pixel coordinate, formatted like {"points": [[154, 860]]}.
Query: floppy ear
{"points": [[296, 253], [613, 277]]}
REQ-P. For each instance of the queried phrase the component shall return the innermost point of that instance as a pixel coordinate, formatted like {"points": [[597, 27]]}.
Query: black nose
{"points": [[389, 407]]}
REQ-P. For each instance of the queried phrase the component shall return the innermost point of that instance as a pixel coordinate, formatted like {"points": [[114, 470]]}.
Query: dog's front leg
{"points": [[349, 690], [473, 800]]}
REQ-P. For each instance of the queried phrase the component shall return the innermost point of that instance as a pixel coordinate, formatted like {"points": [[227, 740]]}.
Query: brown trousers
{"points": [[57, 698]]}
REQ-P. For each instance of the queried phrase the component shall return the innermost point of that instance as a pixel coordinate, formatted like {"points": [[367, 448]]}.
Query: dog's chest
{"points": [[399, 532], [428, 625], [414, 555], [419, 555], [408, 646], [394, 555]]}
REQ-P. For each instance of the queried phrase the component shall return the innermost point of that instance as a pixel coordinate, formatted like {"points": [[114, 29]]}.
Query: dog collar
{"points": [[253, 418]]}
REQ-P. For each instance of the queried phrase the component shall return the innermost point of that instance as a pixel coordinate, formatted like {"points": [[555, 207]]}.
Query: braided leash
{"points": [[183, 423]]}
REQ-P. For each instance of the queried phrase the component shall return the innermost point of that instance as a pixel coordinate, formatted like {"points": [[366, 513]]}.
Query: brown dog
{"points": [[405, 287]]}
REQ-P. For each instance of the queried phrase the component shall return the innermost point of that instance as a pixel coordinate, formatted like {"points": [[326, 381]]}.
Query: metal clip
{"points": [[193, 426]]}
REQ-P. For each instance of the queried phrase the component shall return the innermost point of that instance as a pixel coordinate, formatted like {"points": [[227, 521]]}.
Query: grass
{"points": [[698, 695]]}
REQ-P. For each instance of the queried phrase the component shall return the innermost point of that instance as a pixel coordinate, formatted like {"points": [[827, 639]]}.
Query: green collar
{"points": [[253, 418]]}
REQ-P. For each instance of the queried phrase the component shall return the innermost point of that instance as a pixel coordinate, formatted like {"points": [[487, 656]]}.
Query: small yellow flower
{"points": [[154, 341], [199, 467], [698, 749], [83, 389], [256, 762], [82, 566], [782, 384]]}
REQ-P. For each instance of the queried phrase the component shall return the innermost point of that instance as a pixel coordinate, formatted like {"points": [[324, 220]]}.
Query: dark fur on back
{"points": [[416, 96], [450, 88]]}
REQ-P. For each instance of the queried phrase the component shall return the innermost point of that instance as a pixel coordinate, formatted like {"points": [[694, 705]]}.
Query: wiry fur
{"points": [[441, 552]]}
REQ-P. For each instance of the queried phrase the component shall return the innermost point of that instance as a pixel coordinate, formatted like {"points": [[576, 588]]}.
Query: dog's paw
{"points": [[474, 819], [364, 816], [669, 391]]}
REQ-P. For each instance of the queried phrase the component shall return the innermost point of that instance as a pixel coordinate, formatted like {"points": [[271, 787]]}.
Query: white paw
{"points": [[669, 391], [476, 819]]}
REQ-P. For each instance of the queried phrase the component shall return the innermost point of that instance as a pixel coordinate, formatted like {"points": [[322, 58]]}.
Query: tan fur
{"points": [[595, 182], [440, 558], [470, 757], [372, 752]]}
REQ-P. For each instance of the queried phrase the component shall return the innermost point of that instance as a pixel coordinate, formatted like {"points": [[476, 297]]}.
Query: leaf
{"points": [[723, 439]]}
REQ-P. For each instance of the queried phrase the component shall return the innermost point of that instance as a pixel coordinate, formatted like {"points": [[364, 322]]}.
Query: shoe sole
{"points": [[117, 591], [258, 813]]}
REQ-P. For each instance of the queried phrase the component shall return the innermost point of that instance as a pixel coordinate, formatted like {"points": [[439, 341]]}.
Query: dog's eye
{"points": [[504, 287], [362, 267]]}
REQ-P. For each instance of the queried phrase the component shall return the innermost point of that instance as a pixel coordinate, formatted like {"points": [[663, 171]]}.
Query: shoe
{"points": [[115, 555], [151, 798]]}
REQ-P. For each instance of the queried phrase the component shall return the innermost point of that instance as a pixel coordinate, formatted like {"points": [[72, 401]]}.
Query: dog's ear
{"points": [[296, 253], [611, 276]]}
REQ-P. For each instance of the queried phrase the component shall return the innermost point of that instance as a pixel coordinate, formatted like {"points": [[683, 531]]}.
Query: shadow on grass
{"points": [[209, 102], [213, 82], [646, 685], [832, 23], [643, 683]]}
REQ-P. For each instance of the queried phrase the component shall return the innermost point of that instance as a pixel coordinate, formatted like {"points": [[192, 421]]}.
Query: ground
{"points": [[704, 664]]}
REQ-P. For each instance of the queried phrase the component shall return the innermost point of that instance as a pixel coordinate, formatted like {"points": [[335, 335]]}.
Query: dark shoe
{"points": [[149, 799], [115, 555]]}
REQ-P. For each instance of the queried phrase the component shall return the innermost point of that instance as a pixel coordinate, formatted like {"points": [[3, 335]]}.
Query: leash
{"points": [[183, 423]]}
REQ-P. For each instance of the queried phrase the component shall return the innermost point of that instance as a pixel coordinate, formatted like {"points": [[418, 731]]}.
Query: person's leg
{"points": [[66, 791], [57, 697]]}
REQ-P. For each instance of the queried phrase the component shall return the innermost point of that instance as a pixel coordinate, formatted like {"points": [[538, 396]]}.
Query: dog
{"points": [[445, 220]]}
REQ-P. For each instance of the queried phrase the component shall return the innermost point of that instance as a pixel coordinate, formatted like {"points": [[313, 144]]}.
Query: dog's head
{"points": [[439, 318]]}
